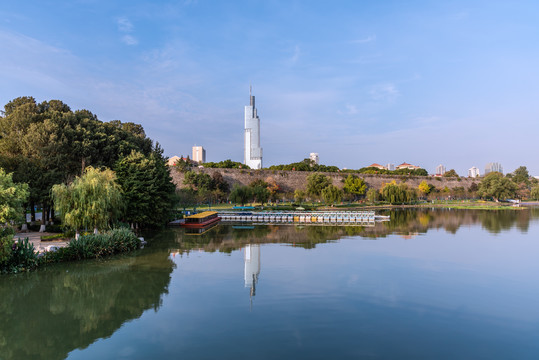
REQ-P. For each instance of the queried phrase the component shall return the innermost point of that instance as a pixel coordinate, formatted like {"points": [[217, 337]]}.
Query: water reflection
{"points": [[407, 223], [46, 314], [252, 268]]}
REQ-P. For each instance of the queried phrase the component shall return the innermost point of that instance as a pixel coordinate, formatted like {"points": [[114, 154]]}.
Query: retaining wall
{"points": [[289, 181]]}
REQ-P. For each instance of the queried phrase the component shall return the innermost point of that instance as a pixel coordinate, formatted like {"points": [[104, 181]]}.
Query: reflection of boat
{"points": [[243, 227], [200, 230], [201, 220]]}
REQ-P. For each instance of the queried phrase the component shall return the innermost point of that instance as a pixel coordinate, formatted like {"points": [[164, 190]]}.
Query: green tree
{"points": [[92, 200], [451, 173], [424, 187], [299, 196], [226, 164], [521, 175], [260, 194], [241, 194], [496, 186], [12, 198], [535, 193], [47, 143], [147, 188], [332, 194], [354, 185], [316, 182], [372, 195], [398, 193]]}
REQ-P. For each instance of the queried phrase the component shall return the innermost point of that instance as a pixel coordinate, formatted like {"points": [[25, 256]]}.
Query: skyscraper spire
{"points": [[252, 149]]}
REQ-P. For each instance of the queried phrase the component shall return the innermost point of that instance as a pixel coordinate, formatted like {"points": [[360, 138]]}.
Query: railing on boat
{"points": [[319, 217]]}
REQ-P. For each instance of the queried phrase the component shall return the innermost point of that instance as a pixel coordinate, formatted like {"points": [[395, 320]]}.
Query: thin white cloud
{"points": [[384, 92], [364, 40], [349, 109], [124, 25], [129, 40]]}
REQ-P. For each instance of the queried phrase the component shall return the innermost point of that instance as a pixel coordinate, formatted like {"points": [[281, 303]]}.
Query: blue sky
{"points": [[426, 82]]}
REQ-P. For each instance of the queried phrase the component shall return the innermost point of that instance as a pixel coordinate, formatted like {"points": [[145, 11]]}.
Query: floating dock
{"points": [[305, 217]]}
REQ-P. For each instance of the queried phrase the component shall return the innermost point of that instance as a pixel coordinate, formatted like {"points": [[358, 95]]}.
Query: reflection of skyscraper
{"points": [[252, 267]]}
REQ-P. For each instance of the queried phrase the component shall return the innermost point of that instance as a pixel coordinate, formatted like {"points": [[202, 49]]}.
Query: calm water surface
{"points": [[430, 284]]}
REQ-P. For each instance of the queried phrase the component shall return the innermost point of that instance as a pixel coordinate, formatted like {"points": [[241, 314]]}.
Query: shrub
{"points": [[93, 246], [21, 257]]}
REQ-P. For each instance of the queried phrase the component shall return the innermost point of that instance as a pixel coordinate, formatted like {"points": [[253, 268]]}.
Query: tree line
{"points": [[47, 144]]}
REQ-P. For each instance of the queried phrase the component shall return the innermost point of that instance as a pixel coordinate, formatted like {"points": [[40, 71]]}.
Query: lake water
{"points": [[429, 284]]}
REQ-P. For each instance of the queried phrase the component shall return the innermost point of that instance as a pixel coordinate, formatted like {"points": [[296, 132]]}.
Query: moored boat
{"points": [[201, 220]]}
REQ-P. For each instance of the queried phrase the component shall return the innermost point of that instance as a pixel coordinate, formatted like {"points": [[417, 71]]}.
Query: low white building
{"points": [[440, 170], [473, 172], [314, 158]]}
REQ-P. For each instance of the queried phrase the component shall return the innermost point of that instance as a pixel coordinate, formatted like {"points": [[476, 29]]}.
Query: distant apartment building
{"points": [[440, 170], [492, 167], [390, 167], [173, 160], [473, 172], [314, 158], [199, 154], [378, 166], [405, 165]]}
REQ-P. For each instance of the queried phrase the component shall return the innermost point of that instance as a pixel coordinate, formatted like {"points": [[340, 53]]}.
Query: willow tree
{"points": [[90, 201], [12, 198]]}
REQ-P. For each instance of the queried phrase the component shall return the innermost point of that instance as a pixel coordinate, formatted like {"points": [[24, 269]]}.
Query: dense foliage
{"points": [[497, 187], [305, 165], [91, 201], [398, 193], [47, 143], [354, 185], [20, 257], [226, 164], [12, 198], [147, 188]]}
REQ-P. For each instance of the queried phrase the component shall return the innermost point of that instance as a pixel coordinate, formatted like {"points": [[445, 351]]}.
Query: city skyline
{"points": [[423, 82]]}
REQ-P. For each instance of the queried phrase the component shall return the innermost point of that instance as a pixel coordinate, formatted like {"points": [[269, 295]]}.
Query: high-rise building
{"points": [[252, 149], [314, 158], [473, 172], [491, 167], [440, 170], [199, 154]]}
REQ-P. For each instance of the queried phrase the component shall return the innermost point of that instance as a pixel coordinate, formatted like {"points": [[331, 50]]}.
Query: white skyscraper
{"points": [[199, 154], [252, 150]]}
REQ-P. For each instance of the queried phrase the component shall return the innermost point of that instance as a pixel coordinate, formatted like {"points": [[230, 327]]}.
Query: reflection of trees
{"points": [[405, 222], [497, 220], [48, 313]]}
